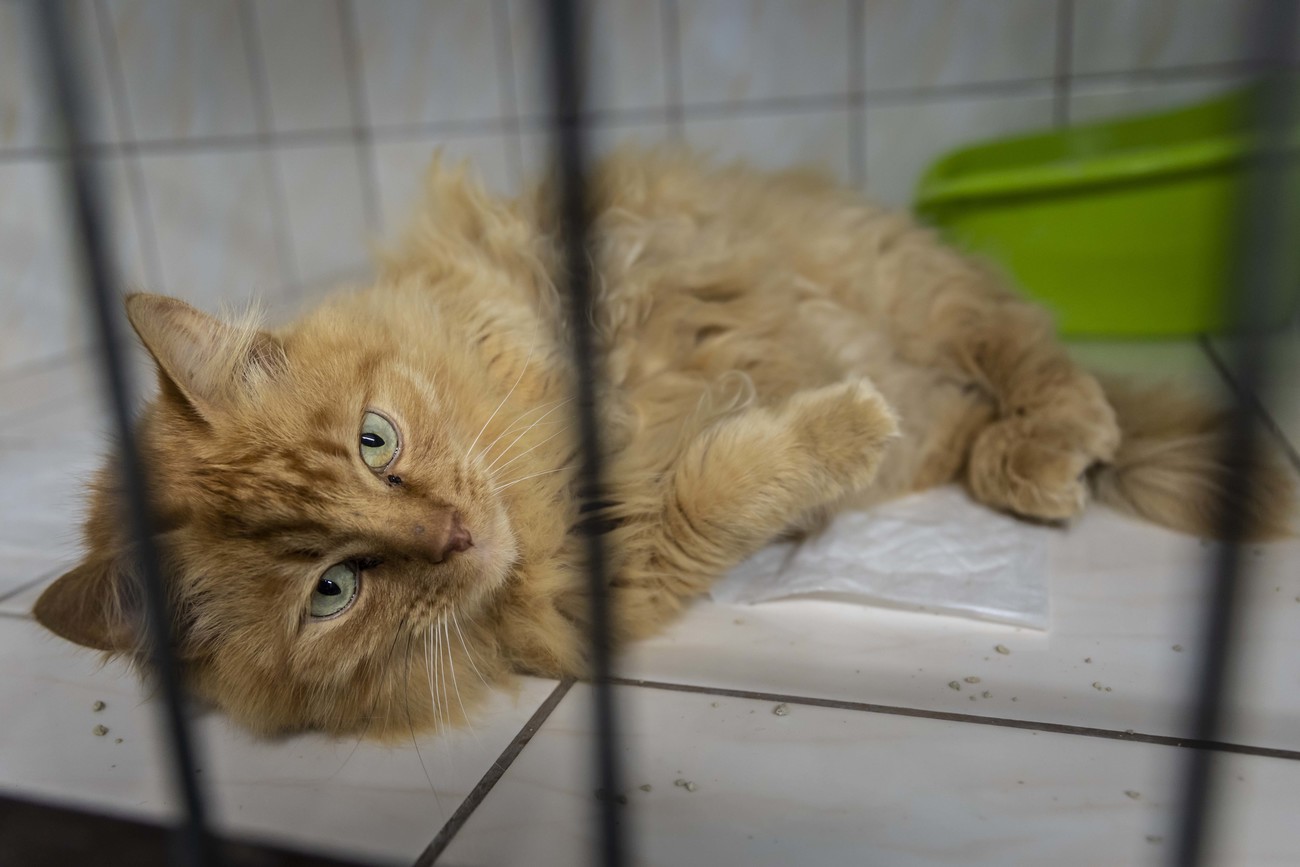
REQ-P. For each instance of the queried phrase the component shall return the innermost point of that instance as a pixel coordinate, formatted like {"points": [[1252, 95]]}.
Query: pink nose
{"points": [[458, 537], [444, 535]]}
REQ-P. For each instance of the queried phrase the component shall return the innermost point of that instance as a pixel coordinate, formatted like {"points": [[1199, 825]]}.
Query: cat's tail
{"points": [[1171, 468]]}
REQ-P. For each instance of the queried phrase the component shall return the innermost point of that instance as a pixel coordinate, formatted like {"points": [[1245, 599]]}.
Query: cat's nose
{"points": [[444, 535], [458, 537]]}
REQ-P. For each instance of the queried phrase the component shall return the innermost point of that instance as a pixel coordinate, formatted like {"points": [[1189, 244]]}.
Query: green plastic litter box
{"points": [[1122, 229]]}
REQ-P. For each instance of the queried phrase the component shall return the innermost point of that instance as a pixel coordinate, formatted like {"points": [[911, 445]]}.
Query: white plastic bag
{"points": [[934, 551]]}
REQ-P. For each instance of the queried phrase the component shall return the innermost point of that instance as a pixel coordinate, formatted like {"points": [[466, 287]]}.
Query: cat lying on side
{"points": [[380, 495]]}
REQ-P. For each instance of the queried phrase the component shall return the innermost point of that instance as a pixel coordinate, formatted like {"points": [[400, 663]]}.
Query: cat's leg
{"points": [[1051, 419], [743, 482]]}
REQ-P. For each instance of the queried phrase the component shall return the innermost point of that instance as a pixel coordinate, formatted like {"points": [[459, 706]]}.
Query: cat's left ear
{"points": [[92, 606], [210, 363]]}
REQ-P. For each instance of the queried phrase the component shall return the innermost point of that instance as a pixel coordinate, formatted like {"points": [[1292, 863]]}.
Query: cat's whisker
{"points": [[511, 428], [451, 665], [372, 717], [428, 660], [444, 693], [518, 380], [532, 476], [468, 653], [506, 450], [440, 696], [411, 727], [530, 448]]}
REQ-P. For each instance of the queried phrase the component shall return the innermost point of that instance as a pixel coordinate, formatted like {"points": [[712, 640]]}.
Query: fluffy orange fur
{"points": [[775, 348]]}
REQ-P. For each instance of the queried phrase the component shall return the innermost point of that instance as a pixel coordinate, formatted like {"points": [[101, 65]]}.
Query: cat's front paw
{"points": [[844, 429]]}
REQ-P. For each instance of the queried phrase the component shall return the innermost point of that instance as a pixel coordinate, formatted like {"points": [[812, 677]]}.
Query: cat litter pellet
{"points": [[645, 787], [685, 784], [1002, 649], [100, 730], [971, 679], [781, 709], [952, 684], [98, 706], [1132, 794]]}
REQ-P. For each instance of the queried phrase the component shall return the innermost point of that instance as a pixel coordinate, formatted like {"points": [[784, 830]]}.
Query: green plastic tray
{"points": [[1123, 229]]}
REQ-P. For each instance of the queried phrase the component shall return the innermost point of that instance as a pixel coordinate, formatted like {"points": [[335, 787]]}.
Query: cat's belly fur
{"points": [[705, 310]]}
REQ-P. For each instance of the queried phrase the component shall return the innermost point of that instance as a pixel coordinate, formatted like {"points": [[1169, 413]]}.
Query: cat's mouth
{"points": [[491, 554]]}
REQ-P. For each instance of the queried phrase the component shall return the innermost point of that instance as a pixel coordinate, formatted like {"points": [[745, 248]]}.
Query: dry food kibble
{"points": [[100, 730]]}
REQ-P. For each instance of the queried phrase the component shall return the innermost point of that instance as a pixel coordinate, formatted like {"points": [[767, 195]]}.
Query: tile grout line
{"points": [[1064, 62], [361, 131], [952, 716], [857, 84], [503, 41], [493, 775], [85, 354], [1257, 406], [137, 189], [41, 578], [668, 13], [676, 111], [270, 163]]}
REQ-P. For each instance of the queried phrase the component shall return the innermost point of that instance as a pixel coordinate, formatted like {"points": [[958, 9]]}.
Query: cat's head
{"points": [[323, 513]]}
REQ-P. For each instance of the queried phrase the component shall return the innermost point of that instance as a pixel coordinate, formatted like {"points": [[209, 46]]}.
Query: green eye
{"points": [[335, 591], [378, 441]]}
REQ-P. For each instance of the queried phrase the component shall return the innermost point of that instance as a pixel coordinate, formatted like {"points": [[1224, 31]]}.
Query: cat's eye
{"points": [[335, 590], [379, 443]]}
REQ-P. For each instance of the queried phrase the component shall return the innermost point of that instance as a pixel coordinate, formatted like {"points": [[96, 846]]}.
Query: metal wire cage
{"points": [[35, 833]]}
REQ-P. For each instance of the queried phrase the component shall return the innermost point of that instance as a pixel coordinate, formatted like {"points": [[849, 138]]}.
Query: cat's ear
{"points": [[91, 606], [210, 363]]}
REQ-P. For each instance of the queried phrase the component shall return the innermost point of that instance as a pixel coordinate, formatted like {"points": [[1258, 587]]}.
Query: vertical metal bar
{"points": [[194, 844], [567, 60], [1264, 240]]}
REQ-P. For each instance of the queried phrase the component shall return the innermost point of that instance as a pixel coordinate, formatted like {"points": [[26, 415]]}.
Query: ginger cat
{"points": [[378, 495]]}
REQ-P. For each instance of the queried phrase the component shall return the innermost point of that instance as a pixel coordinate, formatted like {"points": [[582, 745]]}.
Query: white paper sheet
{"points": [[934, 551]]}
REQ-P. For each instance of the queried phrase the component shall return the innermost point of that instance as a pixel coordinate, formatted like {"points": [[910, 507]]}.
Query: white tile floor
{"points": [[1065, 751]]}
